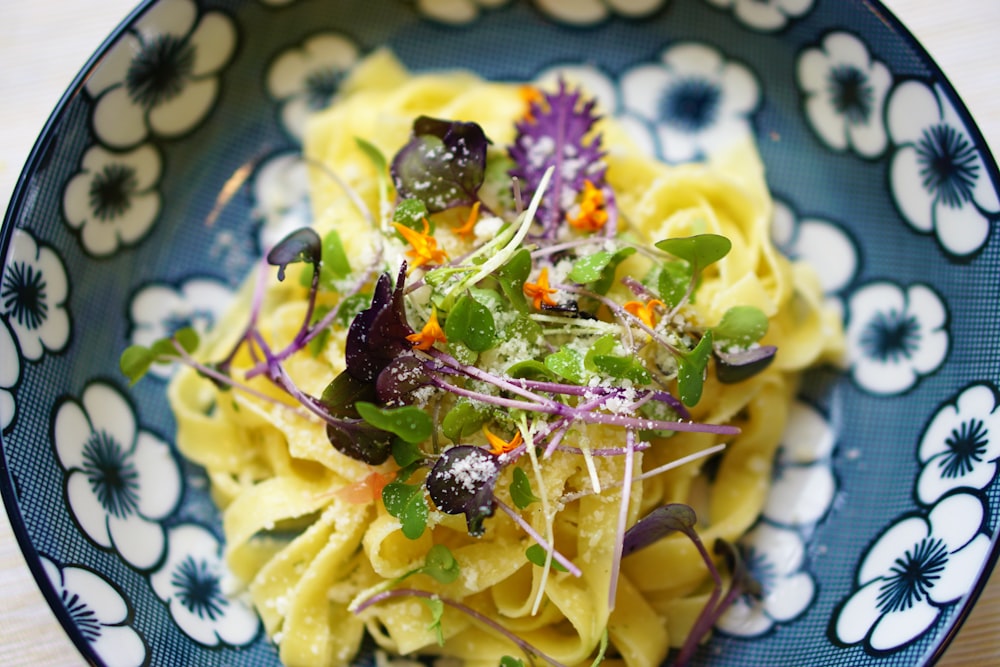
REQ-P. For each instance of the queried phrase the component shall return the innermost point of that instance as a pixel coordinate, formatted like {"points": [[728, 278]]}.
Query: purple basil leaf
{"points": [[443, 164], [462, 482], [659, 523], [302, 245], [377, 335], [557, 136], [397, 381], [360, 441], [733, 367]]}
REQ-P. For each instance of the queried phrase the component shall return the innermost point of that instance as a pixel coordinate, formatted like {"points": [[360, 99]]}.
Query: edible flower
{"points": [[499, 446], [644, 311], [430, 334], [425, 249], [532, 97], [589, 215], [470, 223], [539, 292]]}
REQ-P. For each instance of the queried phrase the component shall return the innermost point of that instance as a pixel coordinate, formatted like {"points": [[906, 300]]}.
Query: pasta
{"points": [[326, 556]]}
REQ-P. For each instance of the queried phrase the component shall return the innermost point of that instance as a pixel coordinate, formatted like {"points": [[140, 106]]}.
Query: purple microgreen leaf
{"points": [[471, 323], [733, 367], [691, 370], [378, 334], [536, 554], [443, 164], [406, 502], [462, 482], [360, 441], [558, 134], [520, 489], [302, 245], [663, 521], [396, 382], [409, 423]]}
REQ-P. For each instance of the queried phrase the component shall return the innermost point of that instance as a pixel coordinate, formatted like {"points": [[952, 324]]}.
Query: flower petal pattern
{"points": [[33, 294]]}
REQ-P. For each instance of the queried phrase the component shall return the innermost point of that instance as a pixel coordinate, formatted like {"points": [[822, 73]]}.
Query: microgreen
{"points": [[136, 360], [471, 323], [537, 555], [437, 613], [462, 482], [734, 367], [409, 423], [406, 502], [568, 364], [464, 419], [411, 213], [740, 326], [511, 661], [443, 164], [691, 370], [377, 335], [598, 269], [520, 489]]}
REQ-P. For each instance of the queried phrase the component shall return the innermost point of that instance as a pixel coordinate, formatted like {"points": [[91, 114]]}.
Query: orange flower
{"points": [[498, 446], [644, 311], [539, 292], [425, 249], [470, 222], [430, 334], [589, 215], [530, 95]]}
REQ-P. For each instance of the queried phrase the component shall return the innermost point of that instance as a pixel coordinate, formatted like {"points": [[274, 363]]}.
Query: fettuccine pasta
{"points": [[307, 526]]}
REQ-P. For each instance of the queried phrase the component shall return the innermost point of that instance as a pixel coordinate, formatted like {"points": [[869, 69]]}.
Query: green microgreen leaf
{"points": [[412, 213], [351, 306], [334, 264], [441, 564], [741, 326], [373, 153], [537, 554], [598, 269], [530, 369], [406, 453], [700, 250], [318, 342], [602, 649], [512, 276], [136, 360], [437, 613], [567, 363], [464, 419], [406, 502], [511, 661], [673, 281], [520, 489], [471, 323], [622, 368], [691, 370], [409, 422]]}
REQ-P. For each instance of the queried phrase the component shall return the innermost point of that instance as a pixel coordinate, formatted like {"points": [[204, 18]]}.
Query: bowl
{"points": [[151, 193]]}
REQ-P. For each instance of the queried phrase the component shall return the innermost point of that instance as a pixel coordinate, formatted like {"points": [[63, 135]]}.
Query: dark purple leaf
{"points": [[733, 367], [443, 164], [378, 334], [302, 245], [557, 134], [348, 433], [462, 482], [397, 381], [664, 520]]}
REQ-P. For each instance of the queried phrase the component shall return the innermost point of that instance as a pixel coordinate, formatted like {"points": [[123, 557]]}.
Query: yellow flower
{"points": [[539, 292], [425, 249], [589, 215], [499, 446], [430, 334], [644, 311]]}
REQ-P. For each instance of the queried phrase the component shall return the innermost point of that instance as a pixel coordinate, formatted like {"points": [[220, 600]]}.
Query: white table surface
{"points": [[44, 43]]}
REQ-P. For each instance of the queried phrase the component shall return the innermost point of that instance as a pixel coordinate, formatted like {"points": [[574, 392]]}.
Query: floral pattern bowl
{"points": [[881, 527]]}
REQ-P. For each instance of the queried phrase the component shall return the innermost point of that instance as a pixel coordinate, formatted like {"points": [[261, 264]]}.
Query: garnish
{"points": [[539, 291], [424, 250]]}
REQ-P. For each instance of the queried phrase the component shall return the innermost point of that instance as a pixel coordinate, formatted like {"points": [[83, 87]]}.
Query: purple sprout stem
{"points": [[709, 612], [465, 609], [537, 537]]}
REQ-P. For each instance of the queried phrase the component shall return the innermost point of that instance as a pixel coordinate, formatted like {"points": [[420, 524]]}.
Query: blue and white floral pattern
{"points": [[589, 12], [938, 176], [895, 336], [960, 447], [695, 100], [775, 558], [162, 76], [845, 90], [100, 612], [190, 583], [10, 373], [159, 311], [119, 480], [280, 187], [455, 12], [33, 294], [113, 200], [305, 78], [919, 566], [765, 15]]}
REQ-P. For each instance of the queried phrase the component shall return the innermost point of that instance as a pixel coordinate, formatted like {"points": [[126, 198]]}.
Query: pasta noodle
{"points": [[305, 524]]}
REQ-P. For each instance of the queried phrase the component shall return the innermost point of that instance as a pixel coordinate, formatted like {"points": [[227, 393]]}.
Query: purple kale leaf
{"points": [[443, 164], [557, 133]]}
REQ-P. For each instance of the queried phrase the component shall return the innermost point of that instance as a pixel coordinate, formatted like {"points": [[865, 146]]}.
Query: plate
{"points": [[882, 180]]}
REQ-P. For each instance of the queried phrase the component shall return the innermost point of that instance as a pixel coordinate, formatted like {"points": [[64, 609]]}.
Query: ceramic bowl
{"points": [[880, 528]]}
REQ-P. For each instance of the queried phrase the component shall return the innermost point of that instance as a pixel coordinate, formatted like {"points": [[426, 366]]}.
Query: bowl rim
{"points": [[37, 156]]}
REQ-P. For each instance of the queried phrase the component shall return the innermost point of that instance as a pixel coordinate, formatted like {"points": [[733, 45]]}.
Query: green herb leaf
{"points": [[372, 152], [437, 612], [464, 419], [511, 661], [511, 277], [406, 453], [471, 323], [673, 282], [602, 649], [411, 213], [567, 363], [406, 502], [691, 370], [536, 554], [520, 489], [409, 422], [598, 269], [135, 362], [740, 326], [700, 250], [440, 563], [530, 369]]}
